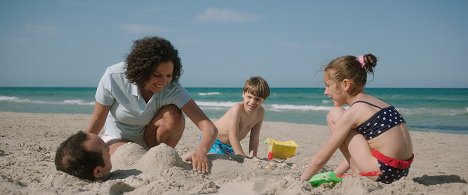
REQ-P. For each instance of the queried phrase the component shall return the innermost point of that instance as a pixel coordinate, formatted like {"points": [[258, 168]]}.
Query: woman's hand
{"points": [[199, 158], [199, 161]]}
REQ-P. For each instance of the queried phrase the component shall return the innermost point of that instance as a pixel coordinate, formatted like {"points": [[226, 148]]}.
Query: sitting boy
{"points": [[85, 156], [242, 118]]}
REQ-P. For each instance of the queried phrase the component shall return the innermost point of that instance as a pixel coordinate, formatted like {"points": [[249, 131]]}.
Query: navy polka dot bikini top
{"points": [[382, 121]]}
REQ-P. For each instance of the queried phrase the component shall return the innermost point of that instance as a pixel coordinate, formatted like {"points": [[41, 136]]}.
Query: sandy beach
{"points": [[28, 143]]}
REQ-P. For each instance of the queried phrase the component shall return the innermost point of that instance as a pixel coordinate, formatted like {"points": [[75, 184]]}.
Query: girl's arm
{"points": [[342, 128], [209, 132], [98, 118]]}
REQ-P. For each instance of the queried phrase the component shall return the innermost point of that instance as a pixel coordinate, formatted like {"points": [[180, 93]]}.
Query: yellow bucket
{"points": [[280, 149]]}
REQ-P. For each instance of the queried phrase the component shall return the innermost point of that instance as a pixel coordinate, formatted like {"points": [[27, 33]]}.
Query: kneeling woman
{"points": [[140, 100]]}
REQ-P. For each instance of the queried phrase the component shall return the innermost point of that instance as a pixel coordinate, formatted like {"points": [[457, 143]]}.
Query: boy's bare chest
{"points": [[247, 123]]}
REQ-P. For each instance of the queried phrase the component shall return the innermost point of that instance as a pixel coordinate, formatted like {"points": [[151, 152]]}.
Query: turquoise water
{"points": [[434, 109]]}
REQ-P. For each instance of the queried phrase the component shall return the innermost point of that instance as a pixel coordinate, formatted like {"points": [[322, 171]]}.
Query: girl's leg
{"points": [[358, 153], [166, 127], [342, 168], [332, 116], [355, 149]]}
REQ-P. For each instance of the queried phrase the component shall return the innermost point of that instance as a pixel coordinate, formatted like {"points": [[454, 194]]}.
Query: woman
{"points": [[140, 100]]}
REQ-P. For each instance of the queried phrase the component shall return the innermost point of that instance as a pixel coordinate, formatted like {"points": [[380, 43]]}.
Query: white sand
{"points": [[28, 143]]}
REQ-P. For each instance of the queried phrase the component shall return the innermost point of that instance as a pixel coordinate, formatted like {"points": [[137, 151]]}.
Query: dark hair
{"points": [[353, 68], [73, 159], [257, 86], [146, 54]]}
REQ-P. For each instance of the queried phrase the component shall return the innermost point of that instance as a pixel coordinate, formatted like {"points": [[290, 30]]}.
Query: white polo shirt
{"points": [[129, 113]]}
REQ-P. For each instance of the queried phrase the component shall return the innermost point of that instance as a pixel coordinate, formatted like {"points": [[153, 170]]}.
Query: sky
{"points": [[65, 43]]}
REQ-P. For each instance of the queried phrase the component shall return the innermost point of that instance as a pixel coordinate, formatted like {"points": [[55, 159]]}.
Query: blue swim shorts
{"points": [[221, 148]]}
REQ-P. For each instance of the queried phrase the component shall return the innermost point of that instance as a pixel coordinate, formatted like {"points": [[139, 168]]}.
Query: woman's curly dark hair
{"points": [[146, 55]]}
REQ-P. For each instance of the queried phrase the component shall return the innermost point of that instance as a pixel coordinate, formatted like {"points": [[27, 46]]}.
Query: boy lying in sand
{"points": [[242, 118]]}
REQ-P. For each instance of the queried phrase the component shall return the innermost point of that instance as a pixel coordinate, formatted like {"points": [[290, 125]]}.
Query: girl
{"points": [[371, 134]]}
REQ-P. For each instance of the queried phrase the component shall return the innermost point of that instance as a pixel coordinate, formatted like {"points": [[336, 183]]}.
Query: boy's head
{"points": [[85, 156], [255, 92], [257, 86]]}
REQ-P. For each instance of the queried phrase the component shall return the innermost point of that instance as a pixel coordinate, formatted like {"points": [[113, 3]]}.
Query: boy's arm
{"points": [[255, 137], [234, 131]]}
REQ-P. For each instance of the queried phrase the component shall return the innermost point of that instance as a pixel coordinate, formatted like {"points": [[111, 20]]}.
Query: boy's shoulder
{"points": [[261, 110], [237, 106]]}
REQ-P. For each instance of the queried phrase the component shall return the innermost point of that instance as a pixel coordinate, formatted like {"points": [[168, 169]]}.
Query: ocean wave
{"points": [[290, 107], [78, 102], [269, 107], [7, 98], [216, 104], [209, 93], [433, 111], [64, 102]]}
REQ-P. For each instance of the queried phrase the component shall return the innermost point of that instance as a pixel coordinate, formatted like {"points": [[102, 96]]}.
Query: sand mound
{"points": [[126, 156], [160, 158]]}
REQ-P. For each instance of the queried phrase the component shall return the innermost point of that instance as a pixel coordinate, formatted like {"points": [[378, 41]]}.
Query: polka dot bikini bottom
{"points": [[391, 169]]}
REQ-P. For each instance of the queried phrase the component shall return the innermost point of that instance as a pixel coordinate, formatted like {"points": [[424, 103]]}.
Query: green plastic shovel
{"points": [[321, 178]]}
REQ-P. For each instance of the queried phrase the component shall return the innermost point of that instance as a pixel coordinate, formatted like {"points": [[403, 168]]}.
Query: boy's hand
{"points": [[199, 161]]}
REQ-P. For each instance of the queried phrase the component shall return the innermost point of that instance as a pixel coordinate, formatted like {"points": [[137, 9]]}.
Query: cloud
{"points": [[140, 28], [42, 29], [224, 15]]}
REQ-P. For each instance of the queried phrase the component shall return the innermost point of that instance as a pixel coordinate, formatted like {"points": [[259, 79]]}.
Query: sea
{"points": [[424, 109]]}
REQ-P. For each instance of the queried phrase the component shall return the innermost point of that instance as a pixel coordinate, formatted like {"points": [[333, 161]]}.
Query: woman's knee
{"points": [[167, 125], [172, 117], [171, 109]]}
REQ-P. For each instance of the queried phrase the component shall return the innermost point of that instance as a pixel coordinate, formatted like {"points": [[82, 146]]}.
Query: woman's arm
{"points": [[98, 118], [209, 132]]}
